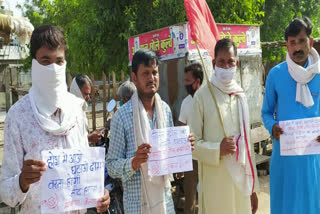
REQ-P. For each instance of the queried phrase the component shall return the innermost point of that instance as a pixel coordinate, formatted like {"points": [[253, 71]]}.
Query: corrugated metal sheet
{"points": [[251, 74]]}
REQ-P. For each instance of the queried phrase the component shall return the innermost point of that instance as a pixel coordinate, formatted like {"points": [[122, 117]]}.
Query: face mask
{"points": [[49, 83], [225, 75], [48, 77], [190, 89]]}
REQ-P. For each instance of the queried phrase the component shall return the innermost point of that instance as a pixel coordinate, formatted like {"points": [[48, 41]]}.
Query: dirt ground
{"points": [[264, 195]]}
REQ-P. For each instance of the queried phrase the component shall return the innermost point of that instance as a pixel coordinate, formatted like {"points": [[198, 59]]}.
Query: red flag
{"points": [[204, 30]]}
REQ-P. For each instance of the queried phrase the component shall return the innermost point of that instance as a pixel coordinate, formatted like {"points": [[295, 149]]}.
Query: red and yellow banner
{"points": [[159, 41], [175, 41]]}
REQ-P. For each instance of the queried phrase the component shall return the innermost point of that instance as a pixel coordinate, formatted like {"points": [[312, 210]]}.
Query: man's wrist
{"points": [[90, 137], [23, 188], [132, 164]]}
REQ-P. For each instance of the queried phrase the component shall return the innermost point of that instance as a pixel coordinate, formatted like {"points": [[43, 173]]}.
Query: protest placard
{"points": [[299, 137], [74, 179], [170, 152]]}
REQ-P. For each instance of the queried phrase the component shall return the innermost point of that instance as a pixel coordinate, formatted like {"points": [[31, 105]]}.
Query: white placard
{"points": [[170, 152], [299, 137], [74, 179]]}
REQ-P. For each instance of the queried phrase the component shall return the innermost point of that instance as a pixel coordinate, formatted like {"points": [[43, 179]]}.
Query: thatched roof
{"points": [[10, 25]]}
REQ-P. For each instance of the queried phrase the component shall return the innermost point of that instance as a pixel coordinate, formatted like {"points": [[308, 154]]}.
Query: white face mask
{"points": [[49, 83], [48, 76], [225, 75]]}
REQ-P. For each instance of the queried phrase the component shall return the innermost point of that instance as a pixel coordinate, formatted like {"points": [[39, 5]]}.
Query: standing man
{"points": [[193, 77], [81, 87], [129, 149], [47, 118], [221, 126], [293, 92]]}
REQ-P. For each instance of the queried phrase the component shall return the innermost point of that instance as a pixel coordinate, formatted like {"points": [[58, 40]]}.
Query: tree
{"points": [[278, 14], [97, 31], [237, 11]]}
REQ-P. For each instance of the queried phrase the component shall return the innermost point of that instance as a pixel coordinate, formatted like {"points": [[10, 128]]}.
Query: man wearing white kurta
{"points": [[220, 123]]}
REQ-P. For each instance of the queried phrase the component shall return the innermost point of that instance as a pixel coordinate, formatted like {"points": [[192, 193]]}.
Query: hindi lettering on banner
{"points": [[299, 137], [171, 151], [74, 179]]}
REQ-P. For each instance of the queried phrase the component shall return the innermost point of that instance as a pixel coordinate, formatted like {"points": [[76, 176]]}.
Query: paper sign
{"points": [[299, 137], [171, 151], [74, 179]]}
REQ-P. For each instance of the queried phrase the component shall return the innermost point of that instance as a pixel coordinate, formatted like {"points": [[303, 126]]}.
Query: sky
{"points": [[11, 4]]}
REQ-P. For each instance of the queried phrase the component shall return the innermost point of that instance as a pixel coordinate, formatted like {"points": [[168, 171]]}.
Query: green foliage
{"points": [[237, 11], [278, 14], [97, 31]]}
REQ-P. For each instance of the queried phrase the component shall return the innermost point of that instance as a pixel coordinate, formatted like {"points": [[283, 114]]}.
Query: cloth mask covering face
{"points": [[225, 75], [49, 84]]}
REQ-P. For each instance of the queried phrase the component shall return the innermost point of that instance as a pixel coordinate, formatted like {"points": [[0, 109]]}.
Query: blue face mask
{"points": [[121, 102]]}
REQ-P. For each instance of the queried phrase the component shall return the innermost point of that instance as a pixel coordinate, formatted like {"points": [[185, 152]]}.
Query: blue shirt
{"points": [[122, 149]]}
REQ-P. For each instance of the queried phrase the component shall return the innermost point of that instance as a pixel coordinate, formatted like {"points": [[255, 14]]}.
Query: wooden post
{"points": [[122, 76], [7, 88], [114, 85], [15, 95], [104, 99], [93, 101], [109, 86], [14, 83], [69, 80]]}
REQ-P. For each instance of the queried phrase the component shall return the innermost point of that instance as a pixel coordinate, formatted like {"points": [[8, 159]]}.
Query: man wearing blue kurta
{"points": [[292, 92]]}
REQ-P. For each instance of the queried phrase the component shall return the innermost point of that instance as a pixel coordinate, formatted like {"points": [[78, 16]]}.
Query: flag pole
{"points": [[211, 91], [204, 67]]}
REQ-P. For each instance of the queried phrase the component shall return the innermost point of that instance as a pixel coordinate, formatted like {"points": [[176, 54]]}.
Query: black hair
{"points": [[144, 56], [196, 70], [49, 36], [297, 25], [224, 44], [82, 79]]}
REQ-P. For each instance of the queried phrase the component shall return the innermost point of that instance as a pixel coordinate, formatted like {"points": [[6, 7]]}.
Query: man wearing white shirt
{"points": [[193, 77]]}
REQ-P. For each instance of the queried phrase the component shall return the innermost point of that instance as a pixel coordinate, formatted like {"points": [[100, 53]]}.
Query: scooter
{"points": [[114, 186]]}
